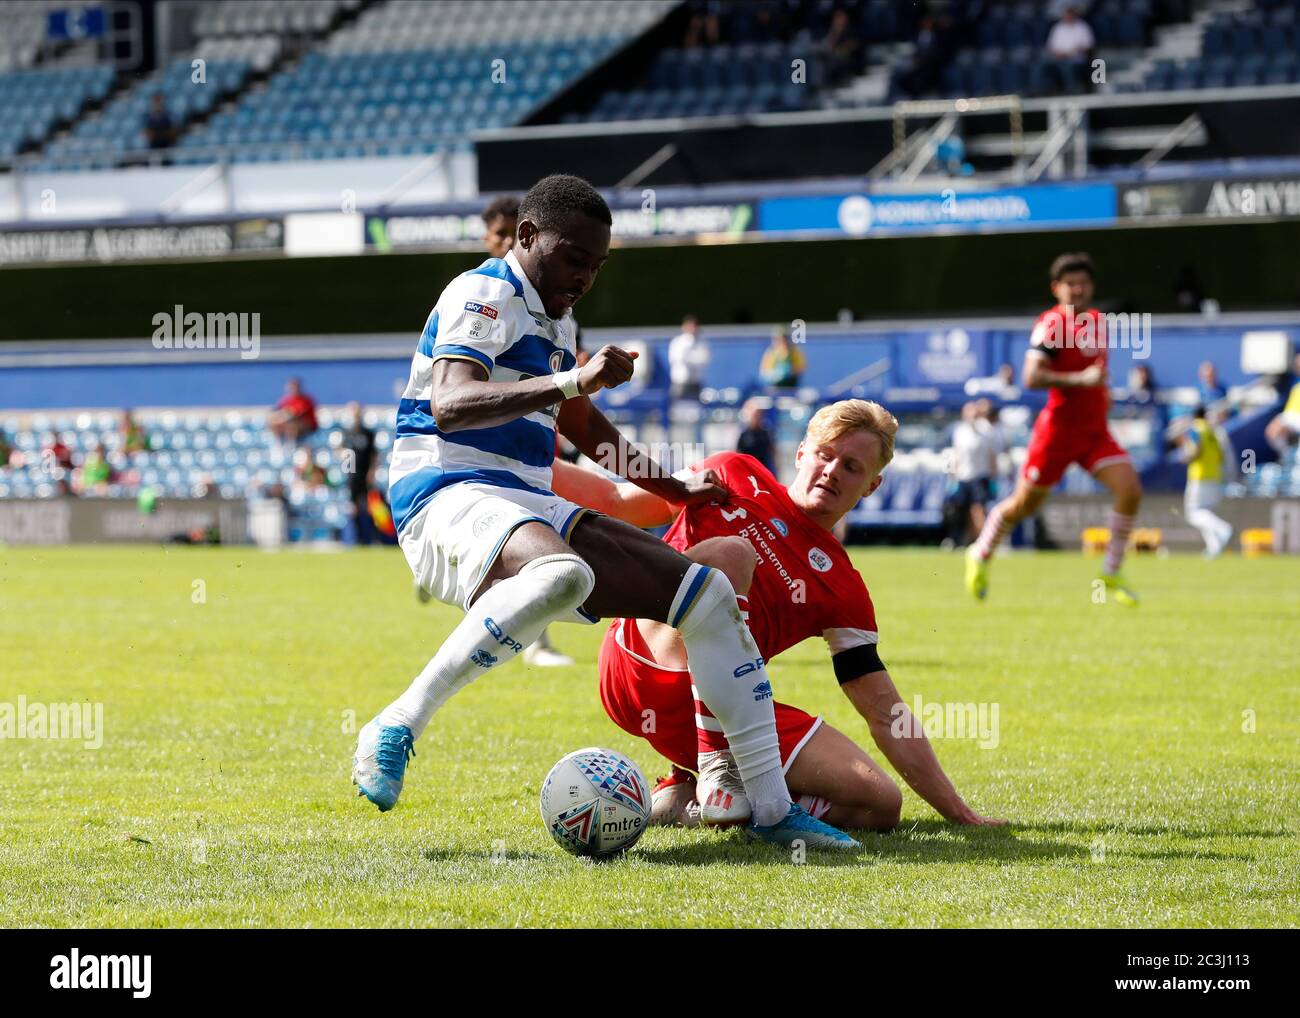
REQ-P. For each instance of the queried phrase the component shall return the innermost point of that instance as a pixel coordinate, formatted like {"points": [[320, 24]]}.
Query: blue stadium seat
{"points": [[1130, 30]]}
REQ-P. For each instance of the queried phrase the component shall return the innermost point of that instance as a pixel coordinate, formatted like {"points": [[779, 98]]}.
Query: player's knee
{"points": [[734, 556], [880, 797], [885, 815], [569, 580], [712, 607], [1128, 494]]}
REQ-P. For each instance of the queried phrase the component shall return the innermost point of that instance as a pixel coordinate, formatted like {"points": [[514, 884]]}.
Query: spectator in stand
{"points": [[307, 473], [1070, 45], [688, 360], [159, 129], [294, 417], [783, 363], [134, 438], [95, 472], [842, 46], [771, 23], [1002, 385], [6, 450], [1142, 390], [756, 439], [704, 28], [499, 220], [54, 454], [1283, 429], [1208, 385], [359, 465], [933, 50]]}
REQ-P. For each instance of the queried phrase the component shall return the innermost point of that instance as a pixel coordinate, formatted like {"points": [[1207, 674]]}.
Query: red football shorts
{"points": [[1053, 447], [657, 704]]}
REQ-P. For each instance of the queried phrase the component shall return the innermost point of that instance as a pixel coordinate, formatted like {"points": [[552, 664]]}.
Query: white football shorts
{"points": [[454, 541]]}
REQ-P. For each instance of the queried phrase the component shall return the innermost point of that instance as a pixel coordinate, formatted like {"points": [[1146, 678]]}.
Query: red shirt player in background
{"points": [[795, 581], [1067, 355]]}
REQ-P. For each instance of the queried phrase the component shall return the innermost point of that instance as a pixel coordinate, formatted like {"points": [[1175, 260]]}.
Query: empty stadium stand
{"points": [[34, 103], [409, 77]]}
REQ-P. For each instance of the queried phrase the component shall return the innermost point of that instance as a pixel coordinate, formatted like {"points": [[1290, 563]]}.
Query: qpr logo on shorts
{"points": [[485, 523], [819, 560], [557, 358]]}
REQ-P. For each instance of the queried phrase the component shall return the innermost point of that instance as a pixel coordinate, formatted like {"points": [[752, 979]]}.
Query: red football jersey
{"points": [[804, 584], [1073, 341]]}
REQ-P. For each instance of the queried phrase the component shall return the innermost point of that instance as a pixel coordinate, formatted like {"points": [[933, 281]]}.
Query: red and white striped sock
{"points": [[814, 805], [1121, 526], [996, 527], [708, 730]]}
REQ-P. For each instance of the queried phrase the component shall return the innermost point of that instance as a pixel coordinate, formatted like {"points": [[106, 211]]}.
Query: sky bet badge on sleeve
{"points": [[481, 318]]}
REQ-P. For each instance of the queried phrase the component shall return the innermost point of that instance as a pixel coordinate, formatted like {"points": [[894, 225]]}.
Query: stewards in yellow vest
{"points": [[1207, 454]]}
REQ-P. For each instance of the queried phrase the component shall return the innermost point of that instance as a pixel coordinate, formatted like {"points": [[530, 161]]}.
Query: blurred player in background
{"points": [[1283, 429], [1067, 355], [492, 382], [499, 220], [1207, 451], [977, 443], [794, 582]]}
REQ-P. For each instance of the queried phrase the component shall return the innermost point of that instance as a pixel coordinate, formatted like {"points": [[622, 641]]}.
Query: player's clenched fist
{"points": [[1093, 376], [608, 368]]}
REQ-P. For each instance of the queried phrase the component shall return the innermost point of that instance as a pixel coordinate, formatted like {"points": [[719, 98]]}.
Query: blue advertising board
{"points": [[861, 214]]}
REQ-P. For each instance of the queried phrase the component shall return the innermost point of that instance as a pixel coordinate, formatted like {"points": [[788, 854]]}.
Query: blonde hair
{"points": [[837, 419]]}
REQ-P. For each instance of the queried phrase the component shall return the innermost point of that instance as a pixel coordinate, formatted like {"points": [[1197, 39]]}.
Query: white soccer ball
{"points": [[595, 802]]}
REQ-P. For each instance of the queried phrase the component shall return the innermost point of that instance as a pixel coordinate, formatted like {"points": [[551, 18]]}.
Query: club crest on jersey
{"points": [[557, 358], [819, 560], [780, 526]]}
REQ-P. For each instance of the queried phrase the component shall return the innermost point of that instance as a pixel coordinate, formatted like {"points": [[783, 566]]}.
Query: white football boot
{"points": [[672, 803], [720, 791]]}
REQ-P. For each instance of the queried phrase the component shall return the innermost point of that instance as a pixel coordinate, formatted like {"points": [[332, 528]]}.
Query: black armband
{"points": [[856, 662]]}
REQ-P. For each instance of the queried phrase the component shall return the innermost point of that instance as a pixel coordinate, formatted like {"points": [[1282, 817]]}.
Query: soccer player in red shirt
{"points": [[795, 581], [1067, 355]]}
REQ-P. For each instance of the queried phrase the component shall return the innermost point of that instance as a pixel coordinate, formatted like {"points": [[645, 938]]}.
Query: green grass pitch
{"points": [[1147, 758]]}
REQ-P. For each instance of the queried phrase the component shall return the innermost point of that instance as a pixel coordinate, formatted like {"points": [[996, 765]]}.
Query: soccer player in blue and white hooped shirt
{"points": [[469, 483]]}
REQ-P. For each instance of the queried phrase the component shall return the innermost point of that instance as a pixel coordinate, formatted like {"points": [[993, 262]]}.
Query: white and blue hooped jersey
{"points": [[491, 315]]}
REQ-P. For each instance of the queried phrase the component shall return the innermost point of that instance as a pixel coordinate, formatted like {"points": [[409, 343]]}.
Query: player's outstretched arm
{"points": [[597, 439], [624, 502], [902, 739]]}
